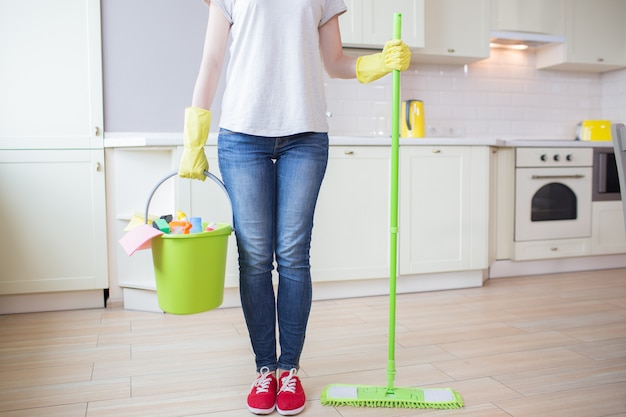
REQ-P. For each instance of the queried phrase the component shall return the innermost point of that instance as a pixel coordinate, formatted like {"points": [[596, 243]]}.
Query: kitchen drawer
{"points": [[549, 249]]}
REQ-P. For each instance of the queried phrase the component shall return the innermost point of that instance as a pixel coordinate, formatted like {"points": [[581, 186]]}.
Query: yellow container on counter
{"points": [[595, 130], [412, 120]]}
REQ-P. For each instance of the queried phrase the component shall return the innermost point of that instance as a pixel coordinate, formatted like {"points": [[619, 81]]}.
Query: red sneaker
{"points": [[291, 399], [262, 397]]}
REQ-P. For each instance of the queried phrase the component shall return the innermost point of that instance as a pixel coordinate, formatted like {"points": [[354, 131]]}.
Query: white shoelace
{"points": [[288, 382], [262, 383]]}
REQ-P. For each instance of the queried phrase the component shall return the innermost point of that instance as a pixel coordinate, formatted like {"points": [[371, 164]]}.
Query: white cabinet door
{"points": [[369, 23], [50, 75], [378, 22], [534, 16], [596, 38], [54, 228], [608, 235], [444, 209], [351, 232], [457, 31], [597, 32], [351, 23]]}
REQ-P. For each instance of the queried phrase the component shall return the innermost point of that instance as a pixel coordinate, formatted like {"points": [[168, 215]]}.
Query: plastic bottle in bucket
{"points": [[179, 227], [196, 225]]}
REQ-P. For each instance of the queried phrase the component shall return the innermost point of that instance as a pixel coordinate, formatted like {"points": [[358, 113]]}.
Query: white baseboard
{"points": [[57, 301], [508, 268]]}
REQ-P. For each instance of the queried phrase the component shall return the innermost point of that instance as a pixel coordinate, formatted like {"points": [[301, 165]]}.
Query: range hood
{"points": [[523, 40]]}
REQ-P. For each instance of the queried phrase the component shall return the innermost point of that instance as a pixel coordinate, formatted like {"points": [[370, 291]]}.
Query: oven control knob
{"points": [[569, 157], [557, 157], [543, 157]]}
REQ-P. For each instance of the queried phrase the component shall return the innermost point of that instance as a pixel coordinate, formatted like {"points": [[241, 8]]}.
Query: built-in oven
{"points": [[605, 177], [553, 193]]}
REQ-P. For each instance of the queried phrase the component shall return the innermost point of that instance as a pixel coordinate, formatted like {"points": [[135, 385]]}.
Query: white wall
{"points": [[502, 97], [151, 56]]}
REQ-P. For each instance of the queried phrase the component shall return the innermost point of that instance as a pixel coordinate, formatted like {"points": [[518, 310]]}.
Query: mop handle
{"points": [[393, 223]]}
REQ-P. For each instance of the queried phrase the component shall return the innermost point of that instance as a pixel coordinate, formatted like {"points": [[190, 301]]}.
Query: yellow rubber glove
{"points": [[193, 163], [396, 55]]}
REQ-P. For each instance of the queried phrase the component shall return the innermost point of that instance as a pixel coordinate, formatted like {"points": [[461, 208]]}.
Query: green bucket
{"points": [[189, 269]]}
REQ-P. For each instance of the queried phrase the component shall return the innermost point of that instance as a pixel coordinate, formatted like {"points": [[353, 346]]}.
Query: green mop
{"points": [[390, 396]]}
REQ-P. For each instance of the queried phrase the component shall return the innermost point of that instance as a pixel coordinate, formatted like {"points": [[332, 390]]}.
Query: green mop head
{"points": [[373, 396]]}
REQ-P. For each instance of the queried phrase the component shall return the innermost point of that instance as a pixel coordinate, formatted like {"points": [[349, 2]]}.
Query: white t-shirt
{"points": [[274, 83]]}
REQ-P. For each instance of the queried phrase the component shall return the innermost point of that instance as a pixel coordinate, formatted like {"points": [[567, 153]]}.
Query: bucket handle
{"points": [[174, 173]]}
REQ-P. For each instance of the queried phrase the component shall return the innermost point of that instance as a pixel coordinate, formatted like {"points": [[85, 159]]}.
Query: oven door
{"points": [[552, 203], [605, 186]]}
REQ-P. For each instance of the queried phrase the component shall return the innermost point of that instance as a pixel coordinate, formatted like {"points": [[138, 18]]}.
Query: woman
{"points": [[272, 153]]}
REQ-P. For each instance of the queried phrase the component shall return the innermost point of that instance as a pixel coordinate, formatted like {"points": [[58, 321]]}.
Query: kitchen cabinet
{"points": [[444, 208], [456, 31], [369, 23], [50, 76], [51, 155], [596, 38], [533, 16], [351, 233], [608, 235], [54, 231]]}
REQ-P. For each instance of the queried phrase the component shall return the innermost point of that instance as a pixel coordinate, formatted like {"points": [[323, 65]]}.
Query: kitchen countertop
{"points": [[526, 143], [139, 139], [382, 141]]}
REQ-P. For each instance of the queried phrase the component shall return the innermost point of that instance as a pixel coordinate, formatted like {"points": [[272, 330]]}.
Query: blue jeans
{"points": [[273, 184]]}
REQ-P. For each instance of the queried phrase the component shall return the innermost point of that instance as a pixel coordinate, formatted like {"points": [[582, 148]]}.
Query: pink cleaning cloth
{"points": [[139, 238]]}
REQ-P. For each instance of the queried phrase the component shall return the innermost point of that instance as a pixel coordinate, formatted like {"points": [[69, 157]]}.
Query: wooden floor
{"points": [[539, 346]]}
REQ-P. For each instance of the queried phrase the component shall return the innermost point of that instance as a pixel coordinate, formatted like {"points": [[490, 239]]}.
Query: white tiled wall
{"points": [[614, 96], [500, 97]]}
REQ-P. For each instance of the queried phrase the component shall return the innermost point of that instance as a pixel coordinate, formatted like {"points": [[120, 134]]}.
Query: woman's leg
{"points": [[300, 168], [248, 172]]}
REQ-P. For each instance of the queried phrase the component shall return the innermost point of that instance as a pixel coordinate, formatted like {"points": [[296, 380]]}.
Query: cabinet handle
{"points": [[98, 167], [554, 249], [436, 150], [556, 177], [451, 50], [600, 59], [97, 131], [348, 152]]}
